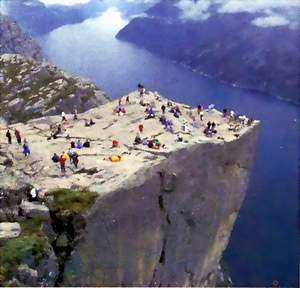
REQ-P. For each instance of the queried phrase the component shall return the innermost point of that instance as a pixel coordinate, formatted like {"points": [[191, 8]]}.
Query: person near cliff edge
{"points": [[8, 136]]}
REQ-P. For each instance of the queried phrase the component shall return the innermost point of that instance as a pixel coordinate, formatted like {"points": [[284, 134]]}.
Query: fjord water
{"points": [[264, 243]]}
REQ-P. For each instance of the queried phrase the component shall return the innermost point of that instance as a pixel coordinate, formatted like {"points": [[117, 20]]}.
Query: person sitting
{"points": [[55, 158], [162, 120], [115, 144], [207, 132], [92, 122], [87, 144], [78, 144], [179, 138], [137, 140], [87, 123]]}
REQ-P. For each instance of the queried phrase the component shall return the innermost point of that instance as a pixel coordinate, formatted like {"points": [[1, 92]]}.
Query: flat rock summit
{"points": [[166, 194]]}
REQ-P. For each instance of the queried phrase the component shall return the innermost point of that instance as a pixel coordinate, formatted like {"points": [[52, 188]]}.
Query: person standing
{"points": [[62, 162], [18, 136], [75, 159], [163, 109], [8, 135]]}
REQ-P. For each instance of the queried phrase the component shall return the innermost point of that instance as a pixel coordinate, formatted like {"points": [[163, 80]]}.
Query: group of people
{"points": [[26, 149], [70, 154]]}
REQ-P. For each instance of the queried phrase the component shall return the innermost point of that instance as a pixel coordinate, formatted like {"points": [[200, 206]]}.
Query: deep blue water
{"points": [[264, 243]]}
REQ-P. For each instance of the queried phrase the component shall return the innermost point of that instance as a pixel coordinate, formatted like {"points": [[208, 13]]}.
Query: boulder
{"points": [[9, 230]]}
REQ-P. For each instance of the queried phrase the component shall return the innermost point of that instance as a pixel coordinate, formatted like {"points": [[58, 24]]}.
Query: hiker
{"points": [[127, 100], [33, 195], [208, 125], [201, 114], [199, 109], [63, 116], [86, 123], [75, 116], [18, 136], [75, 159], [163, 109], [115, 144], [62, 162], [87, 144], [208, 132], [185, 128], [8, 135], [163, 120], [120, 101], [70, 154], [26, 150], [225, 113], [92, 122], [213, 127], [78, 144], [141, 89], [179, 138], [137, 140], [73, 144], [55, 158], [141, 128]]}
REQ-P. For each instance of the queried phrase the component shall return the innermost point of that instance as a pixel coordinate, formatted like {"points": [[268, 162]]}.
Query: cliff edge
{"points": [[162, 217]]}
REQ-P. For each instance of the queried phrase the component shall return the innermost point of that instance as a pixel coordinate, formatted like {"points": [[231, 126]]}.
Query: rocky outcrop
{"points": [[13, 40], [30, 89], [159, 217], [169, 224]]}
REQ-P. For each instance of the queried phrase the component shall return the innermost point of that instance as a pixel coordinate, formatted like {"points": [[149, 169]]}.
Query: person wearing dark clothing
{"points": [[87, 144], [18, 136], [72, 144], [8, 135], [92, 122], [26, 150], [163, 109], [208, 125], [55, 158], [75, 159]]}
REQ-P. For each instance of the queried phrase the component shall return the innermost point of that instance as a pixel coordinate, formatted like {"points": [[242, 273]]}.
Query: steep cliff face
{"points": [[30, 89], [169, 224], [13, 40]]}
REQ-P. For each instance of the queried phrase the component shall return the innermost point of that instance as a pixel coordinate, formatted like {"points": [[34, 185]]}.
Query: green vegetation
{"points": [[31, 243], [69, 202]]}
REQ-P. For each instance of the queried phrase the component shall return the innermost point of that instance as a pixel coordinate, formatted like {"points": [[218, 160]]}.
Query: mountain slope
{"points": [[30, 89], [224, 46], [14, 40]]}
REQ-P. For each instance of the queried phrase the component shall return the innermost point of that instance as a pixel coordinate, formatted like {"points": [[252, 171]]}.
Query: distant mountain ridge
{"points": [[14, 40], [224, 46]]}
